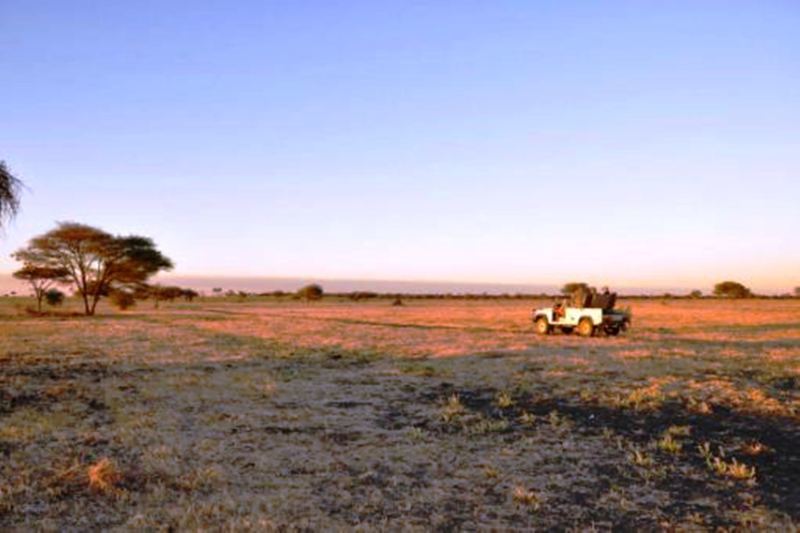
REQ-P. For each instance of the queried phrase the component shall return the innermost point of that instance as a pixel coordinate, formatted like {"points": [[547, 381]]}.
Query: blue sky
{"points": [[627, 143]]}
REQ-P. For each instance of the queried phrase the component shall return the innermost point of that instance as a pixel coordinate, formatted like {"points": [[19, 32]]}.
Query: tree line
{"points": [[723, 289]]}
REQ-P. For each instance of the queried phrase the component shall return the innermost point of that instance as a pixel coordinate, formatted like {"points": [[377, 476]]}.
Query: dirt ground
{"points": [[435, 415]]}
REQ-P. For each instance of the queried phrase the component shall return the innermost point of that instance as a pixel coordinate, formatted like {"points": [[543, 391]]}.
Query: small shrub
{"points": [[452, 409], [527, 418], [670, 445], [54, 297], [721, 467], [104, 476], [528, 498], [504, 400], [123, 300]]}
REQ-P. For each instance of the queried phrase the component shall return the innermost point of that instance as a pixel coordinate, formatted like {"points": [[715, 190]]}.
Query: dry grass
{"points": [[260, 415]]}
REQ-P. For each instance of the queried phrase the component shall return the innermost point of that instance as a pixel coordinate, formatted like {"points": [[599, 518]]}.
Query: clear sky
{"points": [[628, 143]]}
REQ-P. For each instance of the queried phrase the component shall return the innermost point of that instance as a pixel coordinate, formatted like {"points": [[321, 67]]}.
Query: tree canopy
{"points": [[97, 263], [732, 289], [9, 193]]}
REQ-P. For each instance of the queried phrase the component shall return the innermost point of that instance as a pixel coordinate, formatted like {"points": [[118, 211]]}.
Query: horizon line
{"points": [[267, 283]]}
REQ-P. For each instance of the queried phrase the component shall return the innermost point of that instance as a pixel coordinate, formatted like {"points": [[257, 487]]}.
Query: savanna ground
{"points": [[437, 414]]}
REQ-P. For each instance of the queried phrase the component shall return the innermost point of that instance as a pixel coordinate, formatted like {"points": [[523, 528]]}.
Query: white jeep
{"points": [[591, 314]]}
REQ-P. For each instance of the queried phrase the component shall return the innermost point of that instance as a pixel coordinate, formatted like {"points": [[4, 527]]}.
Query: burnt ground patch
{"points": [[777, 468]]}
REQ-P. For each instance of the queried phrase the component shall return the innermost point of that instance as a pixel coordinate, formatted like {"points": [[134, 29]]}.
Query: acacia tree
{"points": [[97, 262], [41, 279], [9, 193]]}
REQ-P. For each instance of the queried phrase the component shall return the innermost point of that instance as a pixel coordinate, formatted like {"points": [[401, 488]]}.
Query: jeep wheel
{"points": [[585, 327], [541, 325]]}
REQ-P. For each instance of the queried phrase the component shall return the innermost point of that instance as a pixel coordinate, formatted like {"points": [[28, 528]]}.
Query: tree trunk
{"points": [[95, 299]]}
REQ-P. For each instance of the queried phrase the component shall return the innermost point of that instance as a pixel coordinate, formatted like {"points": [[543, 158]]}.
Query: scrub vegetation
{"points": [[263, 413]]}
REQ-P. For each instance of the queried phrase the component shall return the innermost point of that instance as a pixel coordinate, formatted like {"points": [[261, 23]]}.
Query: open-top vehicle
{"points": [[589, 313]]}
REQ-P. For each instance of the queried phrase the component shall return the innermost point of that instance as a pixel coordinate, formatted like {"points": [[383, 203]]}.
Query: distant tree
{"points": [[573, 286], [696, 294], [311, 292], [159, 293], [732, 289], [216, 290], [797, 291], [171, 293], [10, 188], [54, 298], [189, 294], [123, 299], [98, 263], [41, 279]]}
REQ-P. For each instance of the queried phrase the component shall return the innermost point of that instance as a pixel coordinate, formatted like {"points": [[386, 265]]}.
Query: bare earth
{"points": [[438, 414]]}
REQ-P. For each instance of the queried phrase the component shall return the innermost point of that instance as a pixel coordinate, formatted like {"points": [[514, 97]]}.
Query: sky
{"points": [[647, 144]]}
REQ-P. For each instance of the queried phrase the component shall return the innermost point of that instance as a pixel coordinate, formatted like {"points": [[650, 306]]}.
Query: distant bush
{"points": [[573, 286], [797, 291], [160, 293], [696, 294], [732, 289], [123, 300], [311, 292], [277, 294], [362, 295], [54, 297]]}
